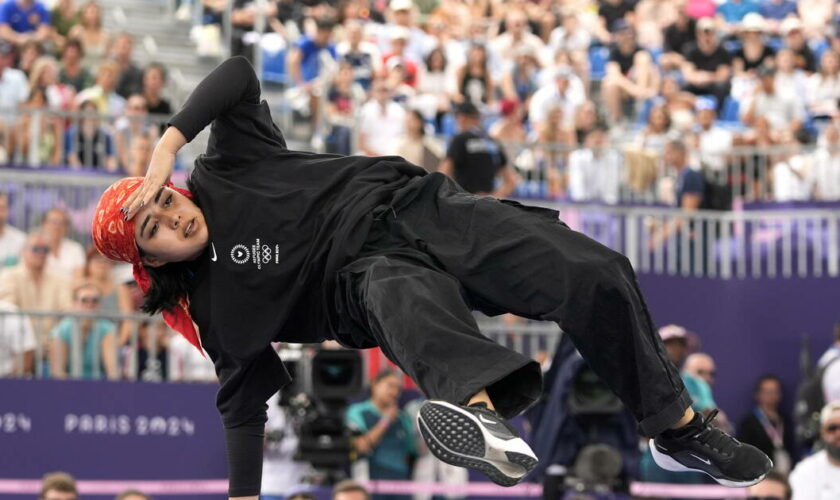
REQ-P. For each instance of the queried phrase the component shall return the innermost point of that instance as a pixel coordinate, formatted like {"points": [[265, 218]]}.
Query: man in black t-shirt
{"points": [[708, 67], [628, 73], [678, 37], [610, 11], [474, 159]]}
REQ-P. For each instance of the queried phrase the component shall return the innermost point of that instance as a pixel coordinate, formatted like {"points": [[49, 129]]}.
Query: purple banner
{"points": [[110, 430], [750, 327]]}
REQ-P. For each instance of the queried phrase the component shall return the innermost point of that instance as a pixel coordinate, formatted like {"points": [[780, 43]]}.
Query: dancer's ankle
{"points": [[686, 418], [482, 397]]}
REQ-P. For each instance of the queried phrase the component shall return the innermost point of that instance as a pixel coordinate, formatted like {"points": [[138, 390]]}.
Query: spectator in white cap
{"points": [[399, 52], [504, 47], [754, 52], [712, 141], [402, 15], [818, 476], [565, 90], [794, 39], [707, 67]]}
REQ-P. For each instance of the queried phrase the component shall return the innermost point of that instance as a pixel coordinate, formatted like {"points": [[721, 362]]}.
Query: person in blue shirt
{"points": [[22, 20], [305, 59], [733, 11], [689, 186], [95, 339], [777, 9], [386, 435], [306, 63]]}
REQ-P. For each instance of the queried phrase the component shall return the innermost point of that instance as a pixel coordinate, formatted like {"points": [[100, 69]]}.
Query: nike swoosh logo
{"points": [[491, 422], [214, 257], [704, 460]]}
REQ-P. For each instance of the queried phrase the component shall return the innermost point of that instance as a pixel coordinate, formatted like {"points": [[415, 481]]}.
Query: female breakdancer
{"points": [[271, 245]]}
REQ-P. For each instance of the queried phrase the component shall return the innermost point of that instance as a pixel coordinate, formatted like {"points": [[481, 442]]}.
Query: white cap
{"points": [[706, 23], [669, 332], [753, 22], [790, 24], [829, 411], [401, 5]]}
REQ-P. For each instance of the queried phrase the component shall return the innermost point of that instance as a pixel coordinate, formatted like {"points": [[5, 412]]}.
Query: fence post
{"points": [[832, 245]]}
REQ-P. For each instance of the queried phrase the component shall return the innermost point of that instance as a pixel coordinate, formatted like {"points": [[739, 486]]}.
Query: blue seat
{"points": [[818, 47], [449, 126], [274, 67], [647, 105], [731, 110], [732, 46], [598, 58]]}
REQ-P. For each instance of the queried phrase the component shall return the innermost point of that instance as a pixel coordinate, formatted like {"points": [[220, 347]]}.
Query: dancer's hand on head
{"points": [[159, 172]]}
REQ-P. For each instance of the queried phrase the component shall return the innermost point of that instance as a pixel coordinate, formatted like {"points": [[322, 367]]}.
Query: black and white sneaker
{"points": [[699, 446], [477, 438]]}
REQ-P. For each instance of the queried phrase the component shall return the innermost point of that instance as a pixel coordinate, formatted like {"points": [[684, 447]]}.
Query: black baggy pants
{"points": [[425, 266]]}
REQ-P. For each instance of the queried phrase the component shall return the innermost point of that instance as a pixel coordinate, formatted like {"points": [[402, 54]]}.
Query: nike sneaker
{"points": [[477, 438], [699, 446]]}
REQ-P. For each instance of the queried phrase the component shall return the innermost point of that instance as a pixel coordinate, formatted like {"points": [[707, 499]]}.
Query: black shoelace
{"points": [[717, 440], [482, 408]]}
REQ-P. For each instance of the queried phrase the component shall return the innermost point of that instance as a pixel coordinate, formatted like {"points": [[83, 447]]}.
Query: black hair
{"points": [[73, 43], [169, 284], [158, 66], [767, 377], [324, 23], [385, 373], [836, 325], [417, 114], [436, 50], [302, 496]]}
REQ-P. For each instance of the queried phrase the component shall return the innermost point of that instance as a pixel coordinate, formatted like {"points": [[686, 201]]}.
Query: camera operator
{"points": [[281, 473]]}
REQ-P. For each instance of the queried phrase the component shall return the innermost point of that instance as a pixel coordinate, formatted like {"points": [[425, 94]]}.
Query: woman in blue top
{"points": [[96, 340]]}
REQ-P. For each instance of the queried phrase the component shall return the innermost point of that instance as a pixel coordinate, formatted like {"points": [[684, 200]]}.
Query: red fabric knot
{"points": [[114, 238]]}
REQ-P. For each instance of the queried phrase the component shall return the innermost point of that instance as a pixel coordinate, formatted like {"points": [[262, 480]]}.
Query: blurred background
{"points": [[698, 137]]}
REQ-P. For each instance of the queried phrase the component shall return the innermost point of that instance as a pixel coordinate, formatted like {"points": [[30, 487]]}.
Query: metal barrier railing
{"points": [[84, 345], [139, 347], [718, 244], [757, 244]]}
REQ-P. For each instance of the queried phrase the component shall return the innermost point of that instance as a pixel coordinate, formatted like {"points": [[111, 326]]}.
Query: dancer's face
{"points": [[170, 228]]}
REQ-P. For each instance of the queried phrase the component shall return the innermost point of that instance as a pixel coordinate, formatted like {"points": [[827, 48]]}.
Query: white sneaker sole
{"points": [[456, 437], [669, 464]]}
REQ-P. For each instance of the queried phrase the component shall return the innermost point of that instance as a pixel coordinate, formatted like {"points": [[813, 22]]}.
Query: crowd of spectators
{"points": [[62, 486], [71, 93], [736, 75], [591, 98], [45, 270]]}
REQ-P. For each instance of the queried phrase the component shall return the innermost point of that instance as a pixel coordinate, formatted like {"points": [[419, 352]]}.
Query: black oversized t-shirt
{"points": [[476, 160], [280, 224], [707, 62], [678, 40], [624, 60]]}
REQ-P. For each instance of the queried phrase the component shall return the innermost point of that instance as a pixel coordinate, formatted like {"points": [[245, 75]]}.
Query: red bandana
{"points": [[114, 238]]}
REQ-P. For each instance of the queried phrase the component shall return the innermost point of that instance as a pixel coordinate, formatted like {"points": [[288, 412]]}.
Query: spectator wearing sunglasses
{"points": [[84, 347], [818, 476], [29, 286]]}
